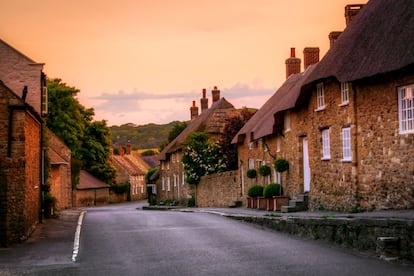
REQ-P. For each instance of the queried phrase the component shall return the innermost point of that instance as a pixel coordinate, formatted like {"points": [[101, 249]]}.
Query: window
{"points": [[278, 144], [344, 93], [320, 96], [168, 184], [287, 121], [251, 163], [326, 149], [406, 108], [346, 144], [163, 183]]}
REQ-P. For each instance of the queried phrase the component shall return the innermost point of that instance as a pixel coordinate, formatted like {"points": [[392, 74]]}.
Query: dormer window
{"points": [[320, 97]]}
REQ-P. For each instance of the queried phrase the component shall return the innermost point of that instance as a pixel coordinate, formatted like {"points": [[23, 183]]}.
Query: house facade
{"points": [[131, 168], [349, 134], [171, 184], [21, 150], [90, 191], [20, 163]]}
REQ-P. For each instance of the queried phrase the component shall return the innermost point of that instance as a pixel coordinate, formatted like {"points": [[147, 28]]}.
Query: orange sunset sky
{"points": [[145, 61]]}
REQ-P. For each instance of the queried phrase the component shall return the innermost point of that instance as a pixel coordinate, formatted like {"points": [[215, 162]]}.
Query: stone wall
{"points": [[91, 197], [219, 190]]}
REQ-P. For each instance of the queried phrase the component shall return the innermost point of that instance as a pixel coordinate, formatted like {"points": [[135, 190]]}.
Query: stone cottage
{"points": [[171, 184], [90, 191], [131, 168], [348, 135]]}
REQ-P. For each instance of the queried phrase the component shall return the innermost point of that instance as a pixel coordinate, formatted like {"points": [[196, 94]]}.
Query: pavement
{"points": [[52, 241]]}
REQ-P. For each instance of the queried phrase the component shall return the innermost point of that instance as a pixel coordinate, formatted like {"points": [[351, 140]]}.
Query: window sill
{"points": [[346, 160], [322, 108], [326, 158], [343, 104]]}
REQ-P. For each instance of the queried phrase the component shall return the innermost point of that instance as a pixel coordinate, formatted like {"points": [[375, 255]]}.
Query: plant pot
{"points": [[261, 203], [279, 201], [249, 202], [270, 204], [253, 203]]}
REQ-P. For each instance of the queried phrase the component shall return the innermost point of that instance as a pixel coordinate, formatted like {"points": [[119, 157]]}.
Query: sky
{"points": [[145, 61]]}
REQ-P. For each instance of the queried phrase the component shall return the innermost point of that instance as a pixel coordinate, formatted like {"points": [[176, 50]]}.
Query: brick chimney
{"points": [[351, 11], [204, 101], [128, 147], [310, 56], [216, 94], [292, 64], [121, 151], [333, 36], [194, 111]]}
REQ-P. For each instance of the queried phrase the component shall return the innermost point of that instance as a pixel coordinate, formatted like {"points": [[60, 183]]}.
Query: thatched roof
{"points": [[265, 120], [379, 40], [210, 121], [132, 163]]}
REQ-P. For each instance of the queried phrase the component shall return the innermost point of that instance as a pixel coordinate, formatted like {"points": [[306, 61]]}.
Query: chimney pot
{"points": [[128, 147], [351, 11], [204, 101], [193, 111], [292, 64], [292, 52], [216, 94]]}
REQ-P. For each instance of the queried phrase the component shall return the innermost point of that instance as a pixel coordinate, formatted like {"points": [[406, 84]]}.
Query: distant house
{"points": [[348, 132], [59, 175], [131, 169], [90, 191], [171, 183]]}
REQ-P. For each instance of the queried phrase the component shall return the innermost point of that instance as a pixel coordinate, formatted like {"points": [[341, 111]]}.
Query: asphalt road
{"points": [[121, 240]]}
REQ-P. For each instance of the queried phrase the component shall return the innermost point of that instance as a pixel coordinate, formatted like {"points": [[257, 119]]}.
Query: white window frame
{"points": [[320, 97], [163, 183], [344, 93], [251, 163], [286, 120], [326, 148], [278, 144], [406, 109], [346, 145], [168, 184]]}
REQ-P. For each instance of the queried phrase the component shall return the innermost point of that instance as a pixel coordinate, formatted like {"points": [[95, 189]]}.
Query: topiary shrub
{"points": [[264, 170], [251, 173], [271, 190], [255, 191], [281, 165]]}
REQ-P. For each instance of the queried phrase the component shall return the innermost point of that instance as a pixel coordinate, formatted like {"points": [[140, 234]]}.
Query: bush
{"points": [[251, 173], [255, 191], [281, 165], [264, 170], [273, 189]]}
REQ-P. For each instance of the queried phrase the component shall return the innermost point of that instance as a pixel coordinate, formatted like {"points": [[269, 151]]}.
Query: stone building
{"points": [[22, 102], [171, 184], [131, 168], [90, 191], [59, 173], [20, 167], [348, 135]]}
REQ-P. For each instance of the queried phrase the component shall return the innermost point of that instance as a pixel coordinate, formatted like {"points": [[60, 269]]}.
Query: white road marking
{"points": [[77, 237]]}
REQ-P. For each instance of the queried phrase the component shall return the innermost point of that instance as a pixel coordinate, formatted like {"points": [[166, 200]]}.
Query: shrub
{"points": [[264, 170], [255, 191], [273, 189], [281, 165], [251, 173]]}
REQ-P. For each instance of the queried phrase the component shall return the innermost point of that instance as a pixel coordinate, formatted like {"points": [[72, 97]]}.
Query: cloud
{"points": [[142, 107]]}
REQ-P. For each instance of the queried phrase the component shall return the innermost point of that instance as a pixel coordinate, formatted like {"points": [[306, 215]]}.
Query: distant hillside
{"points": [[142, 137]]}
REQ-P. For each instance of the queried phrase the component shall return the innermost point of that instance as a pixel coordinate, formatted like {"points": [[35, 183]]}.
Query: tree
{"points": [[201, 157], [231, 127], [88, 140]]}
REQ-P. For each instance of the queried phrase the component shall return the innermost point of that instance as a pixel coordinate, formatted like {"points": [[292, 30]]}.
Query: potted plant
{"points": [[254, 192], [251, 173], [269, 192], [264, 171]]}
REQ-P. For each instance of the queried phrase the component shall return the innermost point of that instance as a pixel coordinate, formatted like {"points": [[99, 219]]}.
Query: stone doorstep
{"points": [[389, 248]]}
